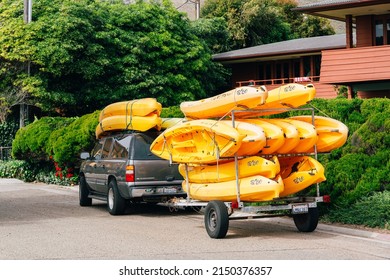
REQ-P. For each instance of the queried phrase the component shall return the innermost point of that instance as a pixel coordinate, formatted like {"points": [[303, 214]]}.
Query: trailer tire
{"points": [[307, 222], [216, 219]]}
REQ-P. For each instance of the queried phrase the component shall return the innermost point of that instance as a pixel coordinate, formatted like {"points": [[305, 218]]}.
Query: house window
{"points": [[388, 31], [382, 30], [378, 32]]}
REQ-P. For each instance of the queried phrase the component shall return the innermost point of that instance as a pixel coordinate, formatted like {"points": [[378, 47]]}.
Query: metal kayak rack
{"points": [[217, 214]]}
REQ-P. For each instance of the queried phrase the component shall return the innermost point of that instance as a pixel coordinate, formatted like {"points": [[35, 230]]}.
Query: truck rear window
{"points": [[142, 148]]}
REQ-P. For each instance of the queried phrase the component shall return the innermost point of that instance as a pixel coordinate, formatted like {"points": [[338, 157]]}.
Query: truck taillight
{"points": [[129, 173]]}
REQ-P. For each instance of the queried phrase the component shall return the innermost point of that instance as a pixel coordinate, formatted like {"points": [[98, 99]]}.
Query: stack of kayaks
{"points": [[259, 180], [273, 156], [259, 158], [139, 114]]}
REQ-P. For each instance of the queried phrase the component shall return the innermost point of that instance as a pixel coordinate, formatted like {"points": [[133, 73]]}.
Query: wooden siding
{"points": [[374, 94], [364, 31], [355, 65]]}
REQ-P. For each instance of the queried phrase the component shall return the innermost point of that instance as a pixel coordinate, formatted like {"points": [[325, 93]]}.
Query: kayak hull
{"points": [[123, 122], [138, 107], [332, 134], [298, 173], [220, 105], [292, 95], [223, 172], [197, 141], [252, 189]]}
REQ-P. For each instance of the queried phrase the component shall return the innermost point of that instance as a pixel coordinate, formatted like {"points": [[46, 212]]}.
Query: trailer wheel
{"points": [[216, 219], [307, 222]]}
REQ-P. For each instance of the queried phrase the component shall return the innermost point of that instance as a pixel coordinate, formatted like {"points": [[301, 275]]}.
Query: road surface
{"points": [[45, 222]]}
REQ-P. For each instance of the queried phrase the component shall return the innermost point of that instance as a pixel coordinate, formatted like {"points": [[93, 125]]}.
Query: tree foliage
{"points": [[256, 22], [86, 54], [214, 32]]}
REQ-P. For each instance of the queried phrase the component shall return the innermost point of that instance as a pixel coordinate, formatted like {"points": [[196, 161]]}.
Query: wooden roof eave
{"points": [[272, 56]]}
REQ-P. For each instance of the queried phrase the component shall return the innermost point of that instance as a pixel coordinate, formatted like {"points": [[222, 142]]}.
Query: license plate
{"points": [[170, 190], [166, 190], [300, 209]]}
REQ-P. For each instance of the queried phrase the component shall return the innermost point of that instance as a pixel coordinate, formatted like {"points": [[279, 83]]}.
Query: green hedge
{"points": [[58, 139], [19, 169], [7, 133], [372, 211], [66, 143], [31, 141], [50, 149]]}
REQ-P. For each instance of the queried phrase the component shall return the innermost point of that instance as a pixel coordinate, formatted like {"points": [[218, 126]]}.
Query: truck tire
{"points": [[116, 204], [84, 193], [216, 219]]}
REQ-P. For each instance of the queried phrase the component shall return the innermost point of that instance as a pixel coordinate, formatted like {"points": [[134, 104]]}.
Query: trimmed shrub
{"points": [[66, 143], [31, 141], [372, 136]]}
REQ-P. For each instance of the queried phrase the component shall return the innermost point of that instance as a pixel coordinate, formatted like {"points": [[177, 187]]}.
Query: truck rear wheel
{"points": [[116, 204]]}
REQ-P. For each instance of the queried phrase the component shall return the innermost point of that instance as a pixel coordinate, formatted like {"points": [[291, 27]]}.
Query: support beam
{"points": [[349, 31]]}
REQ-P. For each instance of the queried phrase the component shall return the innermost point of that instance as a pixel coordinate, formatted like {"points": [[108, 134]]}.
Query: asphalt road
{"points": [[45, 222]]}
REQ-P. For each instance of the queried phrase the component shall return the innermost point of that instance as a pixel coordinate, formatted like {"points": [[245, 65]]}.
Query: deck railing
{"points": [[279, 81]]}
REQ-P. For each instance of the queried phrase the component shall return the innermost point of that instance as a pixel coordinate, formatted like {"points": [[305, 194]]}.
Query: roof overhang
{"points": [[283, 50], [339, 9]]}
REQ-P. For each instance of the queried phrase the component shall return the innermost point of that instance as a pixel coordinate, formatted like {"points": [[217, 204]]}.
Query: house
{"points": [[359, 60]]}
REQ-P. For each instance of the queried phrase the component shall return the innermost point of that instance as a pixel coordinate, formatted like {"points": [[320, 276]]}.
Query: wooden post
{"points": [[349, 92], [349, 31]]}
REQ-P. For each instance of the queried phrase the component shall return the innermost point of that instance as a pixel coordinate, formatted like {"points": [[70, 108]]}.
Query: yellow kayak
{"points": [[273, 133], [137, 107], [254, 140], [123, 122], [197, 141], [332, 134], [299, 173], [307, 136], [287, 96], [291, 135], [169, 122], [223, 172], [252, 189], [222, 104]]}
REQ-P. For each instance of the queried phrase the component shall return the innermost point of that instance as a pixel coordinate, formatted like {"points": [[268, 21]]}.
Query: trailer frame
{"points": [[217, 214]]}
